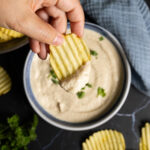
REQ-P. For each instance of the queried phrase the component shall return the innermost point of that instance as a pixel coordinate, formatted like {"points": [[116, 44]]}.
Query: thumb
{"points": [[36, 28]]}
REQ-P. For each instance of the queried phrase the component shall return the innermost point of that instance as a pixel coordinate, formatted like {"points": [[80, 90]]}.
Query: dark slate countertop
{"points": [[129, 120]]}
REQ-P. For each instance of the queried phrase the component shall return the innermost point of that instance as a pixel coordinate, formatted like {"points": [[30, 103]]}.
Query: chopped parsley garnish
{"points": [[89, 85], [101, 38], [80, 94], [101, 92], [56, 81], [93, 53], [52, 73], [53, 76], [83, 88]]}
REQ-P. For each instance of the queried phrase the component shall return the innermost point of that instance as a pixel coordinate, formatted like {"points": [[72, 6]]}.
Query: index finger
{"points": [[75, 14]]}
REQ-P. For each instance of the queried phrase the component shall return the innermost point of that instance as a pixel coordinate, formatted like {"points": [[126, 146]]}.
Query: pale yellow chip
{"points": [[5, 82], [145, 138], [105, 140], [11, 33], [4, 37], [68, 57]]}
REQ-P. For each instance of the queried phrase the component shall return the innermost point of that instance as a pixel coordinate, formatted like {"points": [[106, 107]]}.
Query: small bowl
{"points": [[94, 123], [13, 44]]}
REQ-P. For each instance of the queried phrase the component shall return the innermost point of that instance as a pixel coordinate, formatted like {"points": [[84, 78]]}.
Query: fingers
{"points": [[43, 48], [43, 15], [75, 14], [36, 28], [43, 51], [59, 19], [34, 45], [37, 46]]}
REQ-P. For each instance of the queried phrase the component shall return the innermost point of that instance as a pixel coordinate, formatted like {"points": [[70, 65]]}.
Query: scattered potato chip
{"points": [[11, 33], [4, 37], [68, 57], [7, 34], [105, 140], [5, 82], [145, 138]]}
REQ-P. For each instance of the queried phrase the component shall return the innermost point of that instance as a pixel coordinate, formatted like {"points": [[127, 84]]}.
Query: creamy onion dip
{"points": [[106, 71]]}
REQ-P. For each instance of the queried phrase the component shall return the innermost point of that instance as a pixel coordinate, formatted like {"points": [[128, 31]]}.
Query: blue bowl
{"points": [[86, 125]]}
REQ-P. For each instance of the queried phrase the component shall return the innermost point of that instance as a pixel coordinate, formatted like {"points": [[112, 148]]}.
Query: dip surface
{"points": [[106, 72]]}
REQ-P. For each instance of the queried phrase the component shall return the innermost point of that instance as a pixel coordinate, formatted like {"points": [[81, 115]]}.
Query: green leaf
{"points": [[55, 81], [32, 130], [101, 92], [83, 88], [93, 53], [89, 85], [80, 94], [13, 121], [5, 147], [16, 136], [101, 38], [52, 73]]}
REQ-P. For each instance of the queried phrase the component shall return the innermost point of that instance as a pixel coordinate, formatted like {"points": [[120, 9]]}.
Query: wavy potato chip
{"points": [[11, 33], [145, 138], [68, 57], [105, 140], [4, 37], [5, 82]]}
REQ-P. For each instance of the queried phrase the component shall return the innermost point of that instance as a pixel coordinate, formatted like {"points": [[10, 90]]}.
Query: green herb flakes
{"points": [[53, 76], [101, 92], [81, 94], [52, 73], [93, 53], [55, 81], [83, 88], [101, 38], [89, 85]]}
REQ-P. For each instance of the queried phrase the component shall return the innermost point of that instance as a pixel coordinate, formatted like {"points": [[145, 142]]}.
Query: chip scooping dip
{"points": [[68, 57]]}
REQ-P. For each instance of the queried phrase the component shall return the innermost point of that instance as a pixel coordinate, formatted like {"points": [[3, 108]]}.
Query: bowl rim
{"points": [[108, 116], [25, 42]]}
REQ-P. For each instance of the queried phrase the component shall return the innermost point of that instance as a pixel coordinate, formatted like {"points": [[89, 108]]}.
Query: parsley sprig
{"points": [[93, 52], [53, 76], [16, 136], [80, 94], [101, 38], [89, 85], [101, 92]]}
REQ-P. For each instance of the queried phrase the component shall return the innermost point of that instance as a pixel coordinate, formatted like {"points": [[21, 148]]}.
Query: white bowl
{"points": [[94, 123]]}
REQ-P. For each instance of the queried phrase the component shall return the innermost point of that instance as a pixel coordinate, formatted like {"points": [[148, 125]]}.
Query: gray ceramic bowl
{"points": [[13, 44], [94, 123]]}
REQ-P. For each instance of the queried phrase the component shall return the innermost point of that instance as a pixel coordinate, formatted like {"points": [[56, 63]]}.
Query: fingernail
{"points": [[58, 40]]}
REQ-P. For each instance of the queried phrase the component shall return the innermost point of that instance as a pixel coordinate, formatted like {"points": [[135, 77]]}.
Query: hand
{"points": [[43, 21]]}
